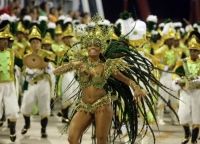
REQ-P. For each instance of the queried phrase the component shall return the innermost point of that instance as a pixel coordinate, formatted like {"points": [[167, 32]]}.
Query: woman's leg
{"points": [[80, 121], [103, 120]]}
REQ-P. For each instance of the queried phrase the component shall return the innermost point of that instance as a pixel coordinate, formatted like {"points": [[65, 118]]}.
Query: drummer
{"points": [[38, 84]]}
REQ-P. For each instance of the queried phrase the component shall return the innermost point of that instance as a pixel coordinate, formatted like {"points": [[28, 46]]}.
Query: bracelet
{"points": [[133, 84]]}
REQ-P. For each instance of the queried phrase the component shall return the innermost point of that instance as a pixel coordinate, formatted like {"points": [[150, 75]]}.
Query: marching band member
{"points": [[38, 90]]}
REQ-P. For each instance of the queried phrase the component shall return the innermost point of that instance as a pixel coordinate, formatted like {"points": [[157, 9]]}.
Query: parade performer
{"points": [[111, 68], [189, 83], [67, 89], [8, 97], [38, 84]]}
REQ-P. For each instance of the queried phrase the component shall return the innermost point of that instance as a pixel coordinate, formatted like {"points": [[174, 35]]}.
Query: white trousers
{"points": [[8, 99], [166, 80], [70, 88], [37, 94], [189, 107]]}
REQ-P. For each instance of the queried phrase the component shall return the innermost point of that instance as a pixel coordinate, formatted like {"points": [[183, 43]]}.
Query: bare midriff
{"points": [[92, 94]]}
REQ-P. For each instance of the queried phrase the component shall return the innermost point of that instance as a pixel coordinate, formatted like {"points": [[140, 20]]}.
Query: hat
{"points": [[193, 43], [58, 29], [27, 21], [169, 31], [35, 33], [5, 33], [47, 39], [152, 18], [137, 37], [20, 28], [51, 28], [69, 31]]}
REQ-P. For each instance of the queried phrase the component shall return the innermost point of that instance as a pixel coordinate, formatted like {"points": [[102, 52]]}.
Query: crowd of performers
{"points": [[119, 75]]}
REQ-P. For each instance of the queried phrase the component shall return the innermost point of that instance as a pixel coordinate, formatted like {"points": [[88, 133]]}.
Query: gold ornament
{"points": [[47, 39], [35, 33], [170, 34], [193, 43], [96, 35], [58, 30], [68, 32], [20, 28], [34, 61]]}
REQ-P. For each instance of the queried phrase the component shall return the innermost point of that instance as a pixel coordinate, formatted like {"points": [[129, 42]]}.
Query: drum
{"points": [[34, 61]]}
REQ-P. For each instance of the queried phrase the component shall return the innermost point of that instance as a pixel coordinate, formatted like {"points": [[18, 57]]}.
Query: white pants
{"points": [[70, 88], [189, 107], [19, 80], [166, 80], [37, 94], [8, 99]]}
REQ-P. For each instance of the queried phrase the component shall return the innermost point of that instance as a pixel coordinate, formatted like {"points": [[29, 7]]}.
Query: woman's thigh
{"points": [[103, 120], [80, 121]]}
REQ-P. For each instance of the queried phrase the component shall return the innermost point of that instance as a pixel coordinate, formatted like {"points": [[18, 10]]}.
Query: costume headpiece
{"points": [[20, 28], [96, 35], [58, 29], [69, 31], [169, 31], [47, 39], [5, 33], [193, 43], [35, 33]]}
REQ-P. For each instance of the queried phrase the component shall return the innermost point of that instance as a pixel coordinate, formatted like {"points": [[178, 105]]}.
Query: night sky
{"points": [[174, 9]]}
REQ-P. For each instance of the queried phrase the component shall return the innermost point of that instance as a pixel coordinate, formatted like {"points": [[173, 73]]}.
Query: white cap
{"points": [[67, 19], [42, 18], [126, 25], [161, 25], [178, 24], [51, 25], [104, 22], [154, 32], [27, 18], [167, 28], [189, 28], [5, 17], [62, 17], [195, 25], [152, 18], [139, 30], [13, 18], [182, 30]]}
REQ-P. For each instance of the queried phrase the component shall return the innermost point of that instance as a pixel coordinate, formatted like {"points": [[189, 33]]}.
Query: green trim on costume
{"points": [[6, 66]]}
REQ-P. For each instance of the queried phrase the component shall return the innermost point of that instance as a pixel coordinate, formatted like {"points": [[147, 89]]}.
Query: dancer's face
{"points": [[94, 51]]}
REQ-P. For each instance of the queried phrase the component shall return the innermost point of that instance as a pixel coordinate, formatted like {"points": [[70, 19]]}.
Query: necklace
{"points": [[93, 64]]}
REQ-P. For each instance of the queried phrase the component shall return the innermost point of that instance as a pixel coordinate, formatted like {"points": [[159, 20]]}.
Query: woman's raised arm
{"points": [[67, 67], [139, 92]]}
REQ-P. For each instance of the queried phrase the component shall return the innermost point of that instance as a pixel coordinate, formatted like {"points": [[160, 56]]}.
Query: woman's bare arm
{"points": [[121, 77], [137, 90], [66, 67]]}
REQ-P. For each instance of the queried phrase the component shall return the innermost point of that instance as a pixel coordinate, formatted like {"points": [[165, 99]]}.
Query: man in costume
{"points": [[8, 97], [168, 58], [189, 83], [37, 80]]}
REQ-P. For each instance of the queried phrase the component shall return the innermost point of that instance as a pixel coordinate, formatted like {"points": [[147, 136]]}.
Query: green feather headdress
{"points": [[96, 35]]}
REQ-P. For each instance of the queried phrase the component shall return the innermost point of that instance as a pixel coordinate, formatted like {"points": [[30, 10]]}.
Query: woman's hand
{"points": [[138, 92]]}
